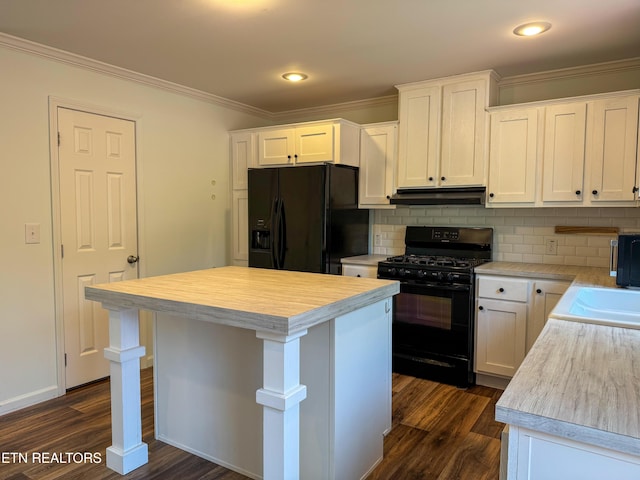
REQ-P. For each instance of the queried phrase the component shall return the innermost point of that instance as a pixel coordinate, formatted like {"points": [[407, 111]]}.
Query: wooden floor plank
{"points": [[439, 433]]}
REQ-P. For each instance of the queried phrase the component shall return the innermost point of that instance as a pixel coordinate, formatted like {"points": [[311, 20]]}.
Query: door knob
{"points": [[132, 259]]}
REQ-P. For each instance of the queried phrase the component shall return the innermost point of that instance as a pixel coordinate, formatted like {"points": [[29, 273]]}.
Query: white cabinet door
{"points": [[546, 294], [240, 227], [564, 152], [513, 156], [242, 157], [314, 144], [276, 147], [377, 164], [365, 271], [611, 152], [462, 159], [419, 137], [501, 336]]}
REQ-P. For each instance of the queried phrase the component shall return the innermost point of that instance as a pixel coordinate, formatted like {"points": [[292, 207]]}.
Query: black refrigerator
{"points": [[305, 218]]}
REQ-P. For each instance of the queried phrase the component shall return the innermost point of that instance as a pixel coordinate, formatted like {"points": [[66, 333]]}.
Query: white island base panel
{"points": [[210, 393], [535, 455]]}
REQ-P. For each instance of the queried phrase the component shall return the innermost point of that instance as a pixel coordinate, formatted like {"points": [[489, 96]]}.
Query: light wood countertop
{"points": [[579, 381], [582, 276], [276, 301], [368, 260]]}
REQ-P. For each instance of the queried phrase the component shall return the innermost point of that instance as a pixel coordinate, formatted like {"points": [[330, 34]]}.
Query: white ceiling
{"points": [[351, 49]]}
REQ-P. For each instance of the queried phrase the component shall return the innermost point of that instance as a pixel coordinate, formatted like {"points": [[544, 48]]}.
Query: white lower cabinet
{"points": [[510, 314], [366, 271], [545, 296], [534, 455], [500, 338]]}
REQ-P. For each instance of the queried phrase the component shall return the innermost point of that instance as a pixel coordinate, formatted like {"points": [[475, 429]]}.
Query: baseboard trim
{"points": [[28, 399]]}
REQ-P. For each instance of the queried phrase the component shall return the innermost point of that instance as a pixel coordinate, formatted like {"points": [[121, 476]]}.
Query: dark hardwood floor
{"points": [[439, 433]]}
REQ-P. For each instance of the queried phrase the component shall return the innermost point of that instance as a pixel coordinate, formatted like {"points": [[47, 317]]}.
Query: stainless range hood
{"points": [[439, 196]]}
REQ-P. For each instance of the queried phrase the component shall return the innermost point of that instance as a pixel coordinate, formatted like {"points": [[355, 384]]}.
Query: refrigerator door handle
{"points": [[274, 238], [282, 234]]}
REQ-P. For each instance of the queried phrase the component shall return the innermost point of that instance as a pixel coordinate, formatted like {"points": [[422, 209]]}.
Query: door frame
{"points": [[54, 104]]}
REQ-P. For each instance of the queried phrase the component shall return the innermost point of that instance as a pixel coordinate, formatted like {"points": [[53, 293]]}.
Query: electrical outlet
{"points": [[377, 240], [551, 247]]}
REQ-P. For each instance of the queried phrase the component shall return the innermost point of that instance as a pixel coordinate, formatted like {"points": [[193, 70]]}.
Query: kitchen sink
{"points": [[616, 307]]}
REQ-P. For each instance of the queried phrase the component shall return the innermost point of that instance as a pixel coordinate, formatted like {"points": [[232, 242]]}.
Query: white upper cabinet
{"points": [[464, 120], [514, 155], [334, 141], [442, 131], [276, 147], [419, 137], [612, 140], [377, 164], [564, 146], [584, 152]]}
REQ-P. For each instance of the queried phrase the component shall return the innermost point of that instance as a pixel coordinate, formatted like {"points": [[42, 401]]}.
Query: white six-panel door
{"points": [[98, 229]]}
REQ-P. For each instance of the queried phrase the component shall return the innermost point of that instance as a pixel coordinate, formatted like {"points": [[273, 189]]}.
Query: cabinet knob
{"points": [[442, 178], [578, 192], [480, 307], [634, 189], [289, 157], [357, 275], [431, 179], [491, 195], [388, 197], [501, 290], [538, 291], [595, 192], [295, 156]]}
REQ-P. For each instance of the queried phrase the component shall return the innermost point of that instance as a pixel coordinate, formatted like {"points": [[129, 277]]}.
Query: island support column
{"points": [[281, 396], [127, 451]]}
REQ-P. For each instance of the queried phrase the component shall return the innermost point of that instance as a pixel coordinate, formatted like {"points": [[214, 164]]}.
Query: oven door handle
{"points": [[438, 286]]}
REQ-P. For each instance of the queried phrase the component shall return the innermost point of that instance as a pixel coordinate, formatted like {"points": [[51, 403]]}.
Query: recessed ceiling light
{"points": [[294, 76], [531, 29]]}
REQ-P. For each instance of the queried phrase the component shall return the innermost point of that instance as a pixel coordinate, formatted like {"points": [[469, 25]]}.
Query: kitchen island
{"points": [[237, 351], [573, 406]]}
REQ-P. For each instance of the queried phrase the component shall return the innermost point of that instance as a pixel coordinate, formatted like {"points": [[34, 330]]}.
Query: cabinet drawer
{"points": [[360, 271], [501, 288]]}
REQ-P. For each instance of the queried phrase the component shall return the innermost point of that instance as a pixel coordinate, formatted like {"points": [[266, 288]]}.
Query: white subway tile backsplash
{"points": [[519, 234]]}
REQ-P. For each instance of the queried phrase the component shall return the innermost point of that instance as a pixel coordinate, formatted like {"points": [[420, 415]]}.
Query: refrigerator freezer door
{"points": [[263, 195], [303, 196]]}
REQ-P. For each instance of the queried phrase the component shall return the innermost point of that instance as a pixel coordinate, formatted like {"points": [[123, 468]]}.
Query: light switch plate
{"points": [[31, 233]]}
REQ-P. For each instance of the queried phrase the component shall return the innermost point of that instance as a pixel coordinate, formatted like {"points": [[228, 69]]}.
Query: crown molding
{"points": [[335, 109], [331, 110], [55, 54], [572, 72]]}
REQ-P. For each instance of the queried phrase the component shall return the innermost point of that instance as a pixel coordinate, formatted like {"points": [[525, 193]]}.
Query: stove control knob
{"points": [[440, 276], [402, 272], [392, 271], [449, 277]]}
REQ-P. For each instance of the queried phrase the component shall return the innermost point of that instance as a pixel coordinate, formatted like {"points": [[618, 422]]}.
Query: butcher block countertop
{"points": [[275, 301], [579, 381]]}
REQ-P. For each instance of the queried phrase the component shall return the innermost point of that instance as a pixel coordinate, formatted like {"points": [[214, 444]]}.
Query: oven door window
{"points": [[439, 307], [426, 310]]}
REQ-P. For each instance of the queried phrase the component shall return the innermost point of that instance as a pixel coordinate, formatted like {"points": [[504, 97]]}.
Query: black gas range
{"points": [[433, 316]]}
